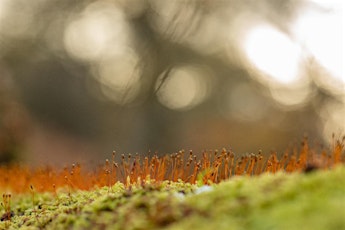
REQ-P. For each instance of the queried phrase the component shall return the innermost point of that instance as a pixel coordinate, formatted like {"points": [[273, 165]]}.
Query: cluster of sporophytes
{"points": [[154, 192]]}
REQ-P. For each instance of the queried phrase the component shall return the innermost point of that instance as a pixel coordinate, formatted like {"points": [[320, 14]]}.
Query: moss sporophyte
{"points": [[301, 189]]}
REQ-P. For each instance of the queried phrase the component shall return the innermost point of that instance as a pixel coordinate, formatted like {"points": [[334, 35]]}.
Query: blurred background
{"points": [[79, 79]]}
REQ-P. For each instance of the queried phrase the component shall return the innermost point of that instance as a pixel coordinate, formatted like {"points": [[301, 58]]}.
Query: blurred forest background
{"points": [[79, 79]]}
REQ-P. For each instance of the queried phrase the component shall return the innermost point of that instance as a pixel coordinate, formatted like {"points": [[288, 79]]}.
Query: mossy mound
{"points": [[314, 200]]}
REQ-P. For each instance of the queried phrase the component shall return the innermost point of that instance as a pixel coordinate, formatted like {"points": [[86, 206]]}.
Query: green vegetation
{"points": [[314, 200]]}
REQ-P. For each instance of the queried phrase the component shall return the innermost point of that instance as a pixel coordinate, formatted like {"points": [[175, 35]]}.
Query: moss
{"points": [[282, 201], [297, 201]]}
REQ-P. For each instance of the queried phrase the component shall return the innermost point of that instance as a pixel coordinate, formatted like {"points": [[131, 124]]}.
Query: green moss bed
{"points": [[314, 200]]}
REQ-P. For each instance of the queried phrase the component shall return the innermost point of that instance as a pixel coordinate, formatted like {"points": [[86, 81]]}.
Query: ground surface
{"points": [[315, 200]]}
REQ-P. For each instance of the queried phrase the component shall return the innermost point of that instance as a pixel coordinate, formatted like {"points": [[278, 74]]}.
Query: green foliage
{"points": [[314, 200]]}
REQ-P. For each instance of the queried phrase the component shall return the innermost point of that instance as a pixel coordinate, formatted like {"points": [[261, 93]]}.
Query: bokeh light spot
{"points": [[175, 20], [120, 77], [100, 31], [273, 53], [17, 18], [291, 97], [320, 32], [184, 88]]}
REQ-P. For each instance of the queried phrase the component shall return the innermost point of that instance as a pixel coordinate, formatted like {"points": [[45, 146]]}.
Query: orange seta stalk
{"points": [[211, 167]]}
